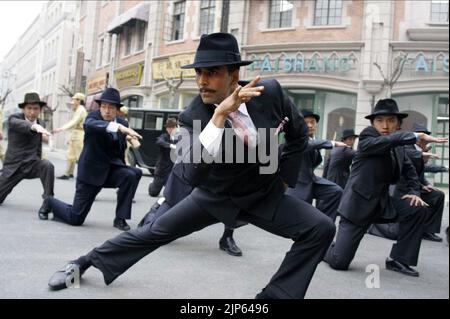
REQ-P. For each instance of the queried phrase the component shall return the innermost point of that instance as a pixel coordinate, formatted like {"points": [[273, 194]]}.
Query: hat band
{"points": [[216, 56]]}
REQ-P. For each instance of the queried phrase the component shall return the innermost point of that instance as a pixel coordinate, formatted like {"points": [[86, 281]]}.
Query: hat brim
{"points": [[353, 135], [41, 104], [99, 101], [213, 64], [317, 117], [399, 115]]}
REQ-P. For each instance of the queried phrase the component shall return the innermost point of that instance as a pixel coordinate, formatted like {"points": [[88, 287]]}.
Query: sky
{"points": [[15, 18]]}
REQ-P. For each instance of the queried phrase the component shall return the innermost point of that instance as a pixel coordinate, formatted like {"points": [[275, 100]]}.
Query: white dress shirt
{"points": [[211, 136]]}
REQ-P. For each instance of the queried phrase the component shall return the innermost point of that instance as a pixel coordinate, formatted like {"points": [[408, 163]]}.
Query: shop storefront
{"points": [[128, 81], [422, 92], [324, 81], [174, 87], [94, 89]]}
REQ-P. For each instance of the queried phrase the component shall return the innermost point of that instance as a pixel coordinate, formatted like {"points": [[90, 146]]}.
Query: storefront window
{"points": [[337, 110], [432, 110]]}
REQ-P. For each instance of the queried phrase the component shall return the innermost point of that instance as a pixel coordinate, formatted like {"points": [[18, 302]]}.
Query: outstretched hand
{"points": [[40, 129], [129, 132], [240, 95]]}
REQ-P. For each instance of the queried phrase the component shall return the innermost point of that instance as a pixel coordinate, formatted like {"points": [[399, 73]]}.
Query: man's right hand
{"points": [[431, 139], [41, 130], [232, 102], [130, 132]]}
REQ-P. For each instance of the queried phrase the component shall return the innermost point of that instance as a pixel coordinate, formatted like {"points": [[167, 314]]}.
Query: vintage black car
{"points": [[150, 124]]}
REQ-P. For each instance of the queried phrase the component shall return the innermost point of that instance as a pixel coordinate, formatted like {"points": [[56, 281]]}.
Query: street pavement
{"points": [[31, 250]]}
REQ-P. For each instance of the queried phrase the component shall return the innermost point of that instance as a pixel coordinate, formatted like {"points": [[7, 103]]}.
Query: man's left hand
{"points": [[415, 200]]}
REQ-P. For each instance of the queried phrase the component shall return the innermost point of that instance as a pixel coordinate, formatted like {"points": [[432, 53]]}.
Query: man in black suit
{"points": [[229, 186], [167, 143], [176, 189], [309, 186], [434, 197], [380, 161], [337, 166], [102, 165], [23, 158]]}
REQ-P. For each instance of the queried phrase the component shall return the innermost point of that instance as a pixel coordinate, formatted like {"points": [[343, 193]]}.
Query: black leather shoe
{"points": [[431, 237], [71, 176], [228, 245], [44, 210], [64, 278], [121, 224], [263, 295], [64, 177], [400, 267]]}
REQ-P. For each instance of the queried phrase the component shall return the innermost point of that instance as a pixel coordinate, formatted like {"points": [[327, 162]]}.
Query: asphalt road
{"points": [[31, 250]]}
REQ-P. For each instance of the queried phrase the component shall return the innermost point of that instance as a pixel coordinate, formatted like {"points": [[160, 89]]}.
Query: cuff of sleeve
{"points": [[211, 138], [416, 135], [112, 127]]}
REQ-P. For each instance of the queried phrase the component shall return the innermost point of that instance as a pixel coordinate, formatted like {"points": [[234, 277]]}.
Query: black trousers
{"points": [[42, 169], [125, 178], [411, 224], [311, 231], [436, 200], [327, 197]]}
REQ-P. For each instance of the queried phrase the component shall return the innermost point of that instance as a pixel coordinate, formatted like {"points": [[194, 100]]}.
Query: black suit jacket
{"points": [[366, 195], [100, 150], [401, 188], [310, 159], [337, 165], [164, 164], [24, 145], [225, 189]]}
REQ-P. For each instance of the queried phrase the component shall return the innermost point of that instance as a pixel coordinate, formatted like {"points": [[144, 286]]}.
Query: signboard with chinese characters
{"points": [[170, 67], [129, 76], [95, 85]]}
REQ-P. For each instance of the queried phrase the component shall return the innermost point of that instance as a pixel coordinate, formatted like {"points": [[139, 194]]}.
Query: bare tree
{"points": [[173, 87], [66, 91], [3, 98], [398, 64]]}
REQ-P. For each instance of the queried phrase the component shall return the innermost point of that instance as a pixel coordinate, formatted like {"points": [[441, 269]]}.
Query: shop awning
{"points": [[129, 17]]}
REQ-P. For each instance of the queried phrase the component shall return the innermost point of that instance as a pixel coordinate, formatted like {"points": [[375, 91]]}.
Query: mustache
{"points": [[206, 90]]}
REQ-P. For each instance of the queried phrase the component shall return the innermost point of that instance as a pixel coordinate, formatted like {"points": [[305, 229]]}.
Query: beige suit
{"points": [[75, 125]]}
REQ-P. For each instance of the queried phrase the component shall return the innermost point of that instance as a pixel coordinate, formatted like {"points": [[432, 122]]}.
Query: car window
{"points": [[154, 121], [136, 120]]}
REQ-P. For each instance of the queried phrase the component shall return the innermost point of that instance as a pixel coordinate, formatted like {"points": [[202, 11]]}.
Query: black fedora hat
{"points": [[348, 133], [110, 95], [32, 98], [308, 113], [420, 128], [217, 49], [386, 107]]}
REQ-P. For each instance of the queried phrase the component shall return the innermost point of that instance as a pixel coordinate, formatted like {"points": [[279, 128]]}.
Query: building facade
{"points": [[335, 57], [40, 61]]}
